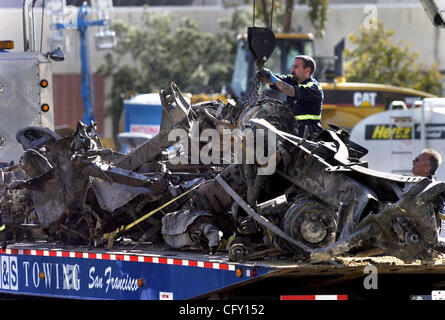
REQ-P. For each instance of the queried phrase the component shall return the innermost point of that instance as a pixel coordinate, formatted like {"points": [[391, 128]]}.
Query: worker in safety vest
{"points": [[304, 93]]}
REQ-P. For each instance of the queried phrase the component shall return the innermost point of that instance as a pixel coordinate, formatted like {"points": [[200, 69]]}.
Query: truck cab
{"points": [[26, 91], [288, 45], [345, 103]]}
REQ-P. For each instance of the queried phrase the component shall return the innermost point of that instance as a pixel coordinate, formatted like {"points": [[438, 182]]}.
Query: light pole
{"points": [[105, 39]]}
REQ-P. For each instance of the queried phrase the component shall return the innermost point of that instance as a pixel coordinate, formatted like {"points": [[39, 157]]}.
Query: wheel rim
{"points": [[313, 231], [310, 222]]}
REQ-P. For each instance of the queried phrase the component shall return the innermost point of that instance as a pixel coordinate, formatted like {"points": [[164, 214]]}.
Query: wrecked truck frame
{"points": [[80, 190], [321, 202], [340, 205]]}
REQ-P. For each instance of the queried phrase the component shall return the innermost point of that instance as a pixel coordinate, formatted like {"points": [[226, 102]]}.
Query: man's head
{"points": [[303, 67], [426, 163]]}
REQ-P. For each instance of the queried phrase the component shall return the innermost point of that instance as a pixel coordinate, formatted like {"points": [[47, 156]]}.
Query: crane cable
{"points": [[271, 14]]}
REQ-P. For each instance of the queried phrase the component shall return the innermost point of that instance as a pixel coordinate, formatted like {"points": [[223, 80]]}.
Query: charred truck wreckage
{"points": [[307, 198], [321, 201]]}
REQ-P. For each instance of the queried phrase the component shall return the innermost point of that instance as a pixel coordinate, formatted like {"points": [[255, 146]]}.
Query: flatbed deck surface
{"points": [[195, 274], [385, 264]]}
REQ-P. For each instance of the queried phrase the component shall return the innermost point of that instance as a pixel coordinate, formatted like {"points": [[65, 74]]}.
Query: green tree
{"points": [[376, 58], [197, 61], [282, 13]]}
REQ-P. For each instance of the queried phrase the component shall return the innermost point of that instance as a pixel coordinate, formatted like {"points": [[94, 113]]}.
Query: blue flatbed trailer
{"points": [[47, 270], [79, 273]]}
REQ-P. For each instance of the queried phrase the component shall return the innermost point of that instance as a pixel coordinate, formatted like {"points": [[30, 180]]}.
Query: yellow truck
{"points": [[345, 103]]}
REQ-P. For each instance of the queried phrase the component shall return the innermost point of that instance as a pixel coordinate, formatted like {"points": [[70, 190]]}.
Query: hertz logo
{"points": [[384, 132]]}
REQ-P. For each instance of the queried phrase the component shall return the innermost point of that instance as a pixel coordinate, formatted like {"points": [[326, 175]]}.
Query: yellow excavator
{"points": [[345, 103]]}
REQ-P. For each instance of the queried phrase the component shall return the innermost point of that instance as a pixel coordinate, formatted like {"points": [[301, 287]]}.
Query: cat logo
{"points": [[364, 99]]}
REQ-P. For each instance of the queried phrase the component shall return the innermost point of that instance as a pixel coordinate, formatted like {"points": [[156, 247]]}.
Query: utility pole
{"points": [[105, 39]]}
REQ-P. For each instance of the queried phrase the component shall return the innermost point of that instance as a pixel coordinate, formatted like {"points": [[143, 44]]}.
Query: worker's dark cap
{"points": [[308, 62]]}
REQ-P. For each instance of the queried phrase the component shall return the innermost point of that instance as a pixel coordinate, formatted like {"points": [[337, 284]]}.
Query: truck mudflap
{"points": [[116, 276]]}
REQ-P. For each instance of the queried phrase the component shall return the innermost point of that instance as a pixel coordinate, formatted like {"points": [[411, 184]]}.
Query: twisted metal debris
{"points": [[322, 201]]}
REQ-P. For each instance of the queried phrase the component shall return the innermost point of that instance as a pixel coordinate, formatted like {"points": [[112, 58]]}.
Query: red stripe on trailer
{"points": [[134, 258], [224, 266], [52, 253], [177, 262], [315, 297], [193, 263], [298, 297], [123, 257]]}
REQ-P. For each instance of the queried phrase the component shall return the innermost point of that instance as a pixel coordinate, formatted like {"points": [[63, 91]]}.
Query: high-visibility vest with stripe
{"points": [[311, 110], [309, 116], [308, 85]]}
